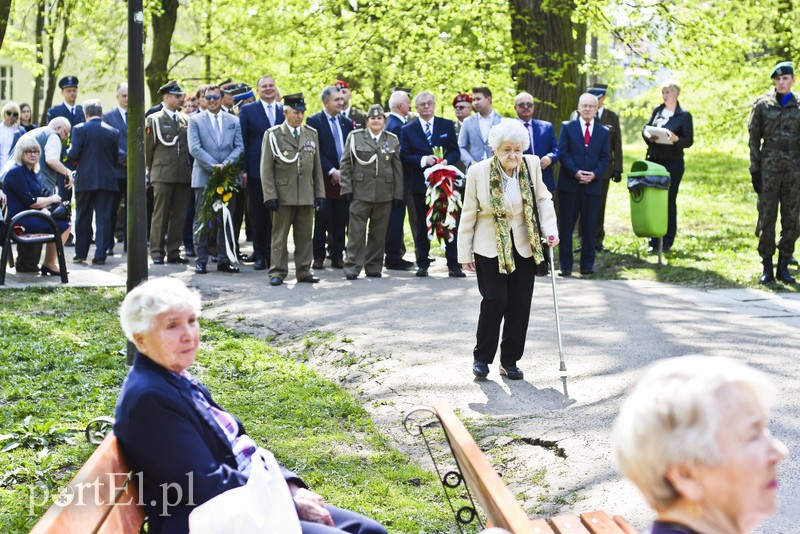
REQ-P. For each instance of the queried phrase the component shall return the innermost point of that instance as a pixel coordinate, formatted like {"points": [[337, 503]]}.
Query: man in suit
{"points": [[354, 115], [118, 118], [399, 106], [417, 142], [584, 150], [332, 218], [543, 138], [96, 150], [610, 120], [215, 140], [473, 138], [291, 178], [167, 161], [255, 119]]}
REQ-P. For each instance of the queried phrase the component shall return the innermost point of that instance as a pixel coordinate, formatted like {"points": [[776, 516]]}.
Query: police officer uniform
{"points": [[774, 127], [167, 159], [291, 177], [372, 177]]}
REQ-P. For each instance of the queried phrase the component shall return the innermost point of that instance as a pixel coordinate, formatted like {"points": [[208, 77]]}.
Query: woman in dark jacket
{"points": [[678, 122]]}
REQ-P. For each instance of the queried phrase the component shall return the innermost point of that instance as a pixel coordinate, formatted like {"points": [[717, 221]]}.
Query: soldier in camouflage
{"points": [[774, 126]]}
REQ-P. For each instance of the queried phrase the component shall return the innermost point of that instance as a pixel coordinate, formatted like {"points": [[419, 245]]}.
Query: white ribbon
{"points": [[227, 228], [373, 159], [157, 132]]}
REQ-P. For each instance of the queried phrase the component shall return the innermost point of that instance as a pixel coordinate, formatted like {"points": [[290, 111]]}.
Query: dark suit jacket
{"points": [[62, 111], [254, 122], [681, 125], [544, 144], [414, 145], [164, 433], [610, 120], [114, 119], [327, 148], [575, 156], [95, 148]]}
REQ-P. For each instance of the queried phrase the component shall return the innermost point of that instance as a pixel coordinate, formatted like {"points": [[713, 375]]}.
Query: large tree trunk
{"points": [[545, 61], [61, 14], [39, 78], [163, 28], [5, 13]]}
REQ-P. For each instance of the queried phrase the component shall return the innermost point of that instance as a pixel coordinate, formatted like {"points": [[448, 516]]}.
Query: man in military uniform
{"points": [[291, 178], [462, 106], [371, 179], [167, 161], [774, 126], [354, 115]]}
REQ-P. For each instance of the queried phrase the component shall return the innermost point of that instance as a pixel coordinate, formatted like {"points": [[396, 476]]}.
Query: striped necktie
{"points": [[336, 138], [428, 133]]}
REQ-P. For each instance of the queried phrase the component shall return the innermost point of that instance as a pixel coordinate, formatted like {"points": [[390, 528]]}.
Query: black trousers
{"points": [[675, 167], [506, 299], [331, 219], [570, 205]]}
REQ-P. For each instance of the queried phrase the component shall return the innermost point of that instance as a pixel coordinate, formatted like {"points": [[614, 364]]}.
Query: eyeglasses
{"points": [[425, 104], [213, 97], [12, 114], [525, 105], [32, 152], [462, 107]]}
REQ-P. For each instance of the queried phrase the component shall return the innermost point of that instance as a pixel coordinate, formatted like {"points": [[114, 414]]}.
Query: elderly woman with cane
{"points": [[507, 214], [187, 448], [693, 437]]}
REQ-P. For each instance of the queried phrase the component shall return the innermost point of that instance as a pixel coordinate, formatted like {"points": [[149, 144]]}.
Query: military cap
{"points": [[228, 87], [225, 82], [341, 84], [295, 101], [598, 89], [375, 110], [784, 67], [243, 96], [462, 97], [171, 88], [68, 81]]}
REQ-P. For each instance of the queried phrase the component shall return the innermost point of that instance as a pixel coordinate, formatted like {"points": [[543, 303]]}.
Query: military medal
{"points": [[286, 153]]}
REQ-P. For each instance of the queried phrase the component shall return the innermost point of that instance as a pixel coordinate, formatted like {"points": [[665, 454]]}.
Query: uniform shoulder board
{"points": [[390, 134], [274, 128], [357, 130], [310, 128]]}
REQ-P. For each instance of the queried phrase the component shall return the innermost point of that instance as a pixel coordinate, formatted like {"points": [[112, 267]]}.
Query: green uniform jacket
{"points": [[774, 131], [167, 148], [291, 171], [372, 171]]}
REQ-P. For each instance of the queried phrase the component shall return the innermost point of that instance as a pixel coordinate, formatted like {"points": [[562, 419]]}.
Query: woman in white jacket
{"points": [[499, 239]]}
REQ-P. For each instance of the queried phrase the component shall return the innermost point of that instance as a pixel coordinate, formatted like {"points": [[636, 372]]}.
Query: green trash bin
{"points": [[648, 185]]}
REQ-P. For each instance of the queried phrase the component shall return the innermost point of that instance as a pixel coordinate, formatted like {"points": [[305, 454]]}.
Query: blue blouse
{"points": [[22, 189]]}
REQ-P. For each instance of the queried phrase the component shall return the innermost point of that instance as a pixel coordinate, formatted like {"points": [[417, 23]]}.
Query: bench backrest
{"points": [[98, 500]]}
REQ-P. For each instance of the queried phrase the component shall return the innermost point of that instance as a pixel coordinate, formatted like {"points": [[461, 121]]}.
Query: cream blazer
{"points": [[476, 233]]}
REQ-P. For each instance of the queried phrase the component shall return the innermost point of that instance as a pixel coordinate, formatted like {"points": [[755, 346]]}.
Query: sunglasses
{"points": [[12, 114], [213, 97], [462, 107], [525, 105]]}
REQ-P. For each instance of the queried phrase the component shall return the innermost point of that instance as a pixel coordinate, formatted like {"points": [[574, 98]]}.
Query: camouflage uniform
{"points": [[775, 156]]}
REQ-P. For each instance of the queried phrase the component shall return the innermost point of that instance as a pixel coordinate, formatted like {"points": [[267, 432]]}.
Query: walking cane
{"points": [[563, 366]]}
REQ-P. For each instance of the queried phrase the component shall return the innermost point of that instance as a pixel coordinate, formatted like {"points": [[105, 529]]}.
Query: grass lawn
{"points": [[62, 363]]}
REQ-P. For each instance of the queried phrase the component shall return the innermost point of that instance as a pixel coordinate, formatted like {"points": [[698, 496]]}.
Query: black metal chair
{"points": [[25, 239]]}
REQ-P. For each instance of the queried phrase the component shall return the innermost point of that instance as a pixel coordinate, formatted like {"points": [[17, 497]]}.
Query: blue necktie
{"points": [[336, 138], [428, 133]]}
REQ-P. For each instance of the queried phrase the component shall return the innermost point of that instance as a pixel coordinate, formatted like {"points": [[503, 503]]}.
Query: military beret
{"points": [[341, 84], [171, 88], [295, 101], [598, 89], [376, 110], [462, 97], [784, 67], [68, 81]]}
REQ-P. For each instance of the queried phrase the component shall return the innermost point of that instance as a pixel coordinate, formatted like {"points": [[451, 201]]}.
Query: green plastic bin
{"points": [[648, 184]]}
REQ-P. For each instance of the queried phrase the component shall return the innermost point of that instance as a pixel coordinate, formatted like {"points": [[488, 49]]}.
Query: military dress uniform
{"points": [[291, 173], [774, 128], [372, 174], [167, 157]]}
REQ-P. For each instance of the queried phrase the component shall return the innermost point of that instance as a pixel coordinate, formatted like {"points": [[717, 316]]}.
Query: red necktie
{"points": [[586, 135]]}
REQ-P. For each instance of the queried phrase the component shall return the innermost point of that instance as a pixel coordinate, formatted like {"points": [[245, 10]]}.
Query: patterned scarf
{"points": [[505, 254]]}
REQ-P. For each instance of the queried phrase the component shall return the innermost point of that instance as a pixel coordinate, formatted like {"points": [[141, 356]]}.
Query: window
{"points": [[6, 83]]}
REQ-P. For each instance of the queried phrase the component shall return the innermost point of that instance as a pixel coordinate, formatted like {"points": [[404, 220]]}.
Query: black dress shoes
{"points": [[310, 279], [260, 264], [275, 281], [189, 253], [47, 271], [250, 258], [318, 264], [398, 265], [337, 264], [78, 259], [480, 369], [98, 261], [351, 276], [376, 274], [179, 259], [587, 272], [513, 373], [200, 268], [158, 261], [456, 272], [422, 272], [565, 273], [227, 268]]}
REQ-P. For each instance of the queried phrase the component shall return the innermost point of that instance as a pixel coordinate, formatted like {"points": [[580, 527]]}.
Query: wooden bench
{"points": [[498, 503], [100, 499]]}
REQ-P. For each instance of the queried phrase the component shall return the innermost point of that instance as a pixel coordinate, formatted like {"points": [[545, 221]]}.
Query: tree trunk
{"points": [[5, 13], [544, 59], [61, 13], [163, 27], [39, 78]]}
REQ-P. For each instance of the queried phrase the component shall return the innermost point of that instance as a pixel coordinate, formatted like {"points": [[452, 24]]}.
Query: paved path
{"points": [[412, 341]]}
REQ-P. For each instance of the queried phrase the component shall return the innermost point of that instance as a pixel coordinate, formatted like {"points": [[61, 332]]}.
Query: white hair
{"points": [[672, 417], [509, 131], [145, 302], [60, 121], [396, 98]]}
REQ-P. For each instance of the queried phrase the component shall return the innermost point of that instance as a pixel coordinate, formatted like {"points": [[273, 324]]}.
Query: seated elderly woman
{"points": [[169, 428], [23, 191], [693, 437], [498, 238]]}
